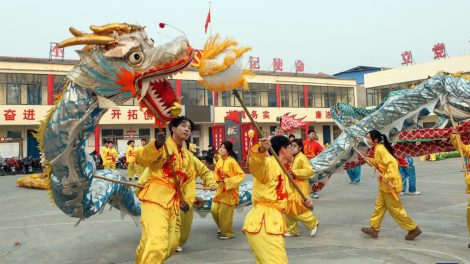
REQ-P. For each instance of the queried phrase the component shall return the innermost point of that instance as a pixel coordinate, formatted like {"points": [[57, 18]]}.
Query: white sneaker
{"points": [[179, 249], [415, 193], [225, 237], [401, 193], [288, 234], [314, 231]]}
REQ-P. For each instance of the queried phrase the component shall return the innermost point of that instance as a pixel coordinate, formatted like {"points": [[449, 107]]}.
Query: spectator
{"points": [[408, 171], [210, 155], [311, 149], [291, 137]]}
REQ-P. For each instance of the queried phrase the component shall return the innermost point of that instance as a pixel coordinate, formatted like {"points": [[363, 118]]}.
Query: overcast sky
{"points": [[329, 36]]}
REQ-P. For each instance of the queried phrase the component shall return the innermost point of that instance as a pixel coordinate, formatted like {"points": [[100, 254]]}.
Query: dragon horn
{"points": [[76, 32], [115, 27], [87, 39]]}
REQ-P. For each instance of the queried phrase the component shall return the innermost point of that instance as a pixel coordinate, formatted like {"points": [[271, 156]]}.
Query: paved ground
{"points": [[33, 230]]}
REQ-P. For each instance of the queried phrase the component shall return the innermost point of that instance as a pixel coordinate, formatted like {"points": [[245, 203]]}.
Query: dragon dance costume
{"points": [[226, 197], [110, 156], [387, 198], [265, 225], [296, 211], [160, 201], [132, 169], [465, 150]]}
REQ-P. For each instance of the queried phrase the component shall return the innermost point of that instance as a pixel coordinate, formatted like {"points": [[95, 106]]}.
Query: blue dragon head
{"points": [[120, 62]]}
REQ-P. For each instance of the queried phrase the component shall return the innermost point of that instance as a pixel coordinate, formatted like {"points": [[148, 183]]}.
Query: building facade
{"points": [[28, 88]]}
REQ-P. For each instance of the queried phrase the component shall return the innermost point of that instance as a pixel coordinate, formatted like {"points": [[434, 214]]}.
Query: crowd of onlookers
{"points": [[19, 166]]}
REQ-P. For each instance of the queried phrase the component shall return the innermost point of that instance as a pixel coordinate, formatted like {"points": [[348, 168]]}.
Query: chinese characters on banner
{"points": [[439, 50], [407, 58], [254, 63], [55, 52], [262, 115], [277, 64], [11, 115], [299, 66], [31, 115]]}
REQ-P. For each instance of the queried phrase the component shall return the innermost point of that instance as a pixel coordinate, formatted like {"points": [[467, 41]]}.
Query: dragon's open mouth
{"points": [[155, 91], [160, 98]]}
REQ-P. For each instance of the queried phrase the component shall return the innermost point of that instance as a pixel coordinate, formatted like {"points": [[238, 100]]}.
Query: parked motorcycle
{"points": [[12, 166]]}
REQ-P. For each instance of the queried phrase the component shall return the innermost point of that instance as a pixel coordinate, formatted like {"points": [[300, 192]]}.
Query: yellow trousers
{"points": [[386, 201], [307, 218], [268, 249], [223, 217], [185, 226], [139, 170], [159, 233], [110, 165], [132, 170]]}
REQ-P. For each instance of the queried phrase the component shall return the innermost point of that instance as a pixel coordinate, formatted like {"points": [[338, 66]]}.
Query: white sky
{"points": [[329, 36]]}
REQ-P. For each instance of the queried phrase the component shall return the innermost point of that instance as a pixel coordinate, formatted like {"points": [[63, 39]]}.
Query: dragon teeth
{"points": [[145, 88]]}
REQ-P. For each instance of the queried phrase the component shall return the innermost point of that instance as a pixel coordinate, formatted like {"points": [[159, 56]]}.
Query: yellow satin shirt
{"points": [[271, 190], [228, 171], [157, 178], [204, 173], [455, 140], [387, 165], [130, 154], [301, 171], [110, 155]]}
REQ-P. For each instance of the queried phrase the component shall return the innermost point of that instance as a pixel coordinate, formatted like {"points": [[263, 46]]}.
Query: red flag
{"points": [[208, 20]]}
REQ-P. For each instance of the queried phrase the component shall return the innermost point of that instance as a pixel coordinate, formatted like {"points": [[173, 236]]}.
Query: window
{"points": [[326, 96], [292, 95], [14, 134], [112, 132], [144, 132], [272, 98], [34, 94], [13, 94]]}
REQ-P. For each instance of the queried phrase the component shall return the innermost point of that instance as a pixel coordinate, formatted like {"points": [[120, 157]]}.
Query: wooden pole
{"points": [[271, 150], [120, 182], [454, 125], [388, 183]]}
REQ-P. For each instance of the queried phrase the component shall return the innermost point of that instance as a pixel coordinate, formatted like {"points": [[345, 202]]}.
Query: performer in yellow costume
{"points": [[139, 168], [389, 185], [301, 171], [110, 156], [103, 152], [131, 152], [465, 150], [160, 200], [265, 225], [229, 176], [207, 176]]}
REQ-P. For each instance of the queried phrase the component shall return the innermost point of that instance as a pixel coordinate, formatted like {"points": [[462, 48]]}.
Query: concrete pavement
{"points": [[33, 230]]}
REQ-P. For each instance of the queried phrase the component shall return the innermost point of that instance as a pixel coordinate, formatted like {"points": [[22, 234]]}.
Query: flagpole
{"points": [[210, 24]]}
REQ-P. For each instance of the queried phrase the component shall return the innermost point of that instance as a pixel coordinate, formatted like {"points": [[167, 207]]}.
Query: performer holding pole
{"points": [[264, 225], [301, 171], [389, 184], [464, 150], [169, 184]]}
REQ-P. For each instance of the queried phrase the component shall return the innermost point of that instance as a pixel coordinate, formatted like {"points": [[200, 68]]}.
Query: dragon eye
{"points": [[135, 57]]}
